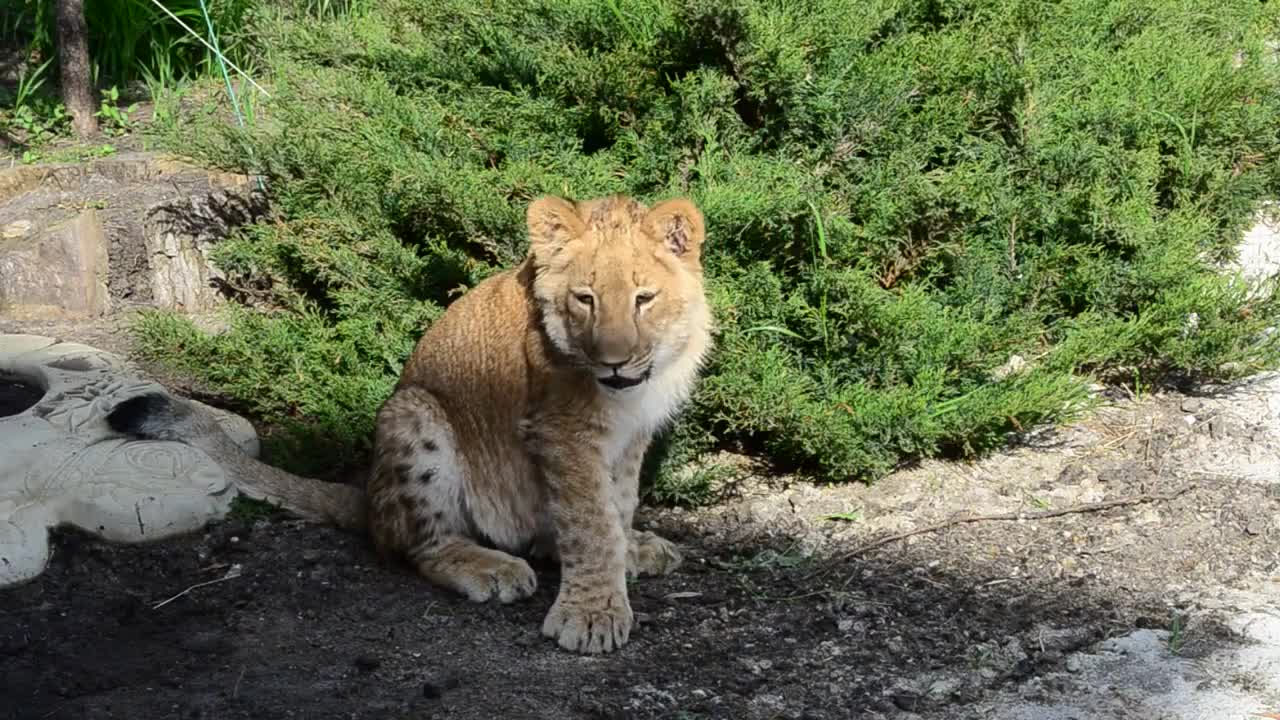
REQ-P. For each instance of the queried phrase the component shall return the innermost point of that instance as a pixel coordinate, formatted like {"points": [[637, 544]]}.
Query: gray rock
{"points": [[55, 273]]}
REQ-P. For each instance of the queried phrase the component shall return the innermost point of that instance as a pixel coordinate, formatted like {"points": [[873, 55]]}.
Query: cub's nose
{"points": [[613, 358]]}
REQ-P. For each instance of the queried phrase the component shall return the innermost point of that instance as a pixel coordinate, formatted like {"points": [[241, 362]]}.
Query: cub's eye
{"points": [[644, 298], [584, 298]]}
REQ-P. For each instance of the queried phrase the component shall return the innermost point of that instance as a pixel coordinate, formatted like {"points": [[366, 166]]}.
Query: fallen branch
{"points": [[1040, 515], [232, 574]]}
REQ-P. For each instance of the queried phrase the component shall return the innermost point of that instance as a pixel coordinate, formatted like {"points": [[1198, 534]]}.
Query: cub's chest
{"points": [[636, 415]]}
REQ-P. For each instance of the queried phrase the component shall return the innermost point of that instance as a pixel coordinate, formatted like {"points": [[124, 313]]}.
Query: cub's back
{"points": [[474, 353]]}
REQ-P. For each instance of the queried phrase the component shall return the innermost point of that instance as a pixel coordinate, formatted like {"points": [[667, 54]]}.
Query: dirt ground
{"points": [[1095, 614]]}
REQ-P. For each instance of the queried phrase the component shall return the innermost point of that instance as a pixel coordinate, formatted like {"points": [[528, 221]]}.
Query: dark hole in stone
{"points": [[17, 394]]}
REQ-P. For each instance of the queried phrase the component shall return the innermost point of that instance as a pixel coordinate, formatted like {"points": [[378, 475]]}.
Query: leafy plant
{"points": [[850, 516], [1177, 634], [74, 153], [898, 199], [332, 9], [38, 121], [33, 118], [29, 83], [159, 76], [115, 119]]}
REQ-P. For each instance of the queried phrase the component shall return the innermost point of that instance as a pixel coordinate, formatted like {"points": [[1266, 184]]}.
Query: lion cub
{"points": [[521, 420], [519, 424]]}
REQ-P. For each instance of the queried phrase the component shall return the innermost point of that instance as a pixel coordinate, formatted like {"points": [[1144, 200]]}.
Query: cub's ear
{"points": [[553, 222], [678, 225]]}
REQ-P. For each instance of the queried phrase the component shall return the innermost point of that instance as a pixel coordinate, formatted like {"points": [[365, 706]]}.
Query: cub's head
{"points": [[620, 284]]}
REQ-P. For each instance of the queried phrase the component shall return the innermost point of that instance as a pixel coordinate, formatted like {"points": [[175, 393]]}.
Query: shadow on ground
{"points": [[317, 627]]}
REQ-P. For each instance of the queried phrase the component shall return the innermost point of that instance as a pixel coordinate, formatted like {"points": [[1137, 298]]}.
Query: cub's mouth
{"points": [[622, 382]]}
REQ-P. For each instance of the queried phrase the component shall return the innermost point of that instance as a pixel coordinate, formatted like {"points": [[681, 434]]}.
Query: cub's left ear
{"points": [[678, 225]]}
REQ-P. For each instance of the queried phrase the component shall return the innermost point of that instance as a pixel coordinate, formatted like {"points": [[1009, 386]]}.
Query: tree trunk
{"points": [[73, 62]]}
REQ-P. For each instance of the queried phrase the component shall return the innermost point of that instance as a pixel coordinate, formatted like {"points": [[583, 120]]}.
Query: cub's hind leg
{"points": [[418, 505], [647, 553]]}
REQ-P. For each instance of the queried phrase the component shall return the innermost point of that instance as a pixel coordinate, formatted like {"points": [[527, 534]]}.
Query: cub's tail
{"points": [[162, 417]]}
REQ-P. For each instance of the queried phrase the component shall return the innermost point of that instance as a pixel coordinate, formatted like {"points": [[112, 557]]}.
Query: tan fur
{"points": [[520, 422]]}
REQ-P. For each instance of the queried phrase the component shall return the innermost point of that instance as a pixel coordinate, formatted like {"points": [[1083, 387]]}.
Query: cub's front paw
{"points": [[650, 554], [590, 623]]}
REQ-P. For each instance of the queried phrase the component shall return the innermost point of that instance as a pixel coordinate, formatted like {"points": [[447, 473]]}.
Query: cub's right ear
{"points": [[553, 222]]}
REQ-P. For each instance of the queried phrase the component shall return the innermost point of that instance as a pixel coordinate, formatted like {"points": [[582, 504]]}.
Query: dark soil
{"points": [[315, 626]]}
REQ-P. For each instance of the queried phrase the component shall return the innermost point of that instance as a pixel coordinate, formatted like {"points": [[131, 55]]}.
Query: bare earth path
{"points": [[1166, 609]]}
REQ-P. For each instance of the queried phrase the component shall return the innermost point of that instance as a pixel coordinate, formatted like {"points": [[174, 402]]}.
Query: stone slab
{"points": [[61, 464]]}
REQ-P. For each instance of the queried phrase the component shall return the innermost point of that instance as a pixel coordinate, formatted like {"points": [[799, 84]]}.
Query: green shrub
{"points": [[899, 199]]}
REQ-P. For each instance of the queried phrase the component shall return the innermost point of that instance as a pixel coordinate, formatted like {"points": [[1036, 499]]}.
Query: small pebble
{"points": [[432, 690], [367, 663]]}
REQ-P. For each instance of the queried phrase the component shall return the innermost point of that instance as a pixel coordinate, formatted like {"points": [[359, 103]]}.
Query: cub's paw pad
{"points": [[505, 579], [598, 626], [650, 554]]}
